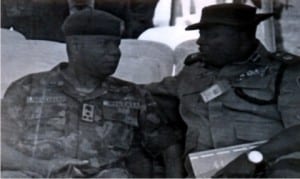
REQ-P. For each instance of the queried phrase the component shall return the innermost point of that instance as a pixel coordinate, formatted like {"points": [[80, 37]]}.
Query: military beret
{"points": [[81, 2], [238, 15], [92, 22]]}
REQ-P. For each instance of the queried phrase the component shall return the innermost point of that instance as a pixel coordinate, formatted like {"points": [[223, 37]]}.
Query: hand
{"points": [[241, 167], [54, 166]]}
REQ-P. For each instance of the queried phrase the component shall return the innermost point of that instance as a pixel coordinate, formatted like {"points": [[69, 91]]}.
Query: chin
{"points": [[108, 72], [213, 62]]}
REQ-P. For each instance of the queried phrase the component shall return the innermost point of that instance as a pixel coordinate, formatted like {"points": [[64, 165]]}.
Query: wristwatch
{"points": [[255, 157]]}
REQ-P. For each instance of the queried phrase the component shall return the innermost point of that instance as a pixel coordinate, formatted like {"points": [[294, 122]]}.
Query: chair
{"points": [[182, 51], [144, 61]]}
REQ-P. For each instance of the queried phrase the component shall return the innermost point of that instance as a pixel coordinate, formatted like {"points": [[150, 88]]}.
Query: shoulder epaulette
{"points": [[192, 58], [286, 57], [119, 82]]}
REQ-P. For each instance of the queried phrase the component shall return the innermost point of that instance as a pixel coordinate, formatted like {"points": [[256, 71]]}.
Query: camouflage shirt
{"points": [[43, 116], [226, 118]]}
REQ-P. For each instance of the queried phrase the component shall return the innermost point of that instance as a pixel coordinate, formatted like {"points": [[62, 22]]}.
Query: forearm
{"points": [[168, 86], [287, 141], [15, 160]]}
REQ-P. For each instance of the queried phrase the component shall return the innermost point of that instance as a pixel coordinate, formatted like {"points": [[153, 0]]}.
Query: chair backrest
{"points": [[171, 36], [182, 51], [144, 61], [141, 61], [10, 35], [21, 57]]}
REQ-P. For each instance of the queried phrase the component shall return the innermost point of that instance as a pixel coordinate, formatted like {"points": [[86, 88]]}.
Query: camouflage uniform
{"points": [[230, 119], [44, 117]]}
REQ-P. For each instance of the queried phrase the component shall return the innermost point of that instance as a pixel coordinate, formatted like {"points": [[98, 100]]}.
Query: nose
{"points": [[117, 52], [200, 44], [201, 41]]}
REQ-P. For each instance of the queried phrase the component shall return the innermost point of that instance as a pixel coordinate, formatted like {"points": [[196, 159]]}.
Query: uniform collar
{"points": [[260, 58], [65, 84]]}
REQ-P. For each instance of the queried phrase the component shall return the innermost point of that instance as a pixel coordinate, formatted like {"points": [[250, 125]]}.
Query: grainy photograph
{"points": [[150, 89]]}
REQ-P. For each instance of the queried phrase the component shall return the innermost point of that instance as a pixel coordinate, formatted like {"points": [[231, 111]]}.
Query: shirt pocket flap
{"points": [[122, 111], [254, 130], [47, 115]]}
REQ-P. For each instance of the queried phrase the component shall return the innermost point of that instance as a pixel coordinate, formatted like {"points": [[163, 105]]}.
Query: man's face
{"points": [[219, 44], [97, 56]]}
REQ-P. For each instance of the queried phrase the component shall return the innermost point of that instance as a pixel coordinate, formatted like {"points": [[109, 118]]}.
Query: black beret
{"points": [[81, 2], [92, 22], [233, 14]]}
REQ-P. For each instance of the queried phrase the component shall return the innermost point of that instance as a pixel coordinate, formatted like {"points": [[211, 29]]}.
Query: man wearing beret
{"points": [[75, 120], [234, 91]]}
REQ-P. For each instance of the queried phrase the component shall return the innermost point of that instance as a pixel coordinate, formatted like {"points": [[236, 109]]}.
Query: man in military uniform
{"points": [[233, 91], [75, 120]]}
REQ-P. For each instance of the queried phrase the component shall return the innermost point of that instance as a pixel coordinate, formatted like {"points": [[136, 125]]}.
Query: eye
{"points": [[208, 35]]}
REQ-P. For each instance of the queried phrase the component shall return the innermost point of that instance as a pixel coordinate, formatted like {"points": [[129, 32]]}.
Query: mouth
{"points": [[201, 50], [203, 54]]}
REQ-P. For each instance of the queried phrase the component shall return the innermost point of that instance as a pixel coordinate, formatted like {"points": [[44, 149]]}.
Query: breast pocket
{"points": [[256, 128], [44, 125], [122, 116], [51, 116], [257, 87]]}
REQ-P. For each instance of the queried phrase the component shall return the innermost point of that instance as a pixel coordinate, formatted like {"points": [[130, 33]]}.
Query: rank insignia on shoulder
{"points": [[286, 57], [192, 58]]}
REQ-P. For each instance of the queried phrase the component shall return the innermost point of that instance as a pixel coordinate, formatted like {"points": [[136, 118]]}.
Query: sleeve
{"points": [[167, 87], [165, 96], [13, 103], [157, 135], [170, 86], [289, 98]]}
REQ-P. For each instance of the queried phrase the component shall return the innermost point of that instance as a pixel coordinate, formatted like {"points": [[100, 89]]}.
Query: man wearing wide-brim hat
{"points": [[234, 91]]}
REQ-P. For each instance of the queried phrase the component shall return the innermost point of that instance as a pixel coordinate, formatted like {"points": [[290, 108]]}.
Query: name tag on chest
{"points": [[122, 104], [215, 91]]}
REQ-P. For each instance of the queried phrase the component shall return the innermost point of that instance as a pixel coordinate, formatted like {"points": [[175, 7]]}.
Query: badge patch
{"points": [[46, 99], [122, 104], [124, 111], [215, 91], [88, 112]]}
